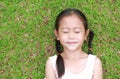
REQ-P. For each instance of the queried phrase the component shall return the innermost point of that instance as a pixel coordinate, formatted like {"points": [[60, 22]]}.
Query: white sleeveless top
{"points": [[87, 73]]}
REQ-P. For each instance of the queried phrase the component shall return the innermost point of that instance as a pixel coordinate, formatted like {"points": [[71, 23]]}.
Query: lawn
{"points": [[27, 38]]}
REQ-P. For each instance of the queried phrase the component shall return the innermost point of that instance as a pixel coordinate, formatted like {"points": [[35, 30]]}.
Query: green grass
{"points": [[27, 39]]}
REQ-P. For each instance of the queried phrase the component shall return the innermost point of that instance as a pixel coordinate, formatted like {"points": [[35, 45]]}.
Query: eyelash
{"points": [[65, 32], [75, 32]]}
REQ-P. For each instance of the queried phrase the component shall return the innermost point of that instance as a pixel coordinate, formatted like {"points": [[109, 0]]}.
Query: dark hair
{"points": [[67, 12]]}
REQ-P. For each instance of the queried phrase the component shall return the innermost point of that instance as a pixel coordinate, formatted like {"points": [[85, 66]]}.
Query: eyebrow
{"points": [[78, 27], [69, 28], [65, 28]]}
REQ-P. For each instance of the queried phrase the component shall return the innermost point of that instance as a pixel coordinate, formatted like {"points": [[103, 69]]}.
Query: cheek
{"points": [[62, 37], [81, 36]]}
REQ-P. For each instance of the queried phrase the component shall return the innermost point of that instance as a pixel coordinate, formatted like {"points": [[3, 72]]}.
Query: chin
{"points": [[72, 49]]}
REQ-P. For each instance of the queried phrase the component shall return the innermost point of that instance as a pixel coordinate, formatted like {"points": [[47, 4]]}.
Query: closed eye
{"points": [[77, 32], [65, 32]]}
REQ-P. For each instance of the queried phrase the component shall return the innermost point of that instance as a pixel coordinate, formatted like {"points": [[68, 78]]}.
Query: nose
{"points": [[71, 35]]}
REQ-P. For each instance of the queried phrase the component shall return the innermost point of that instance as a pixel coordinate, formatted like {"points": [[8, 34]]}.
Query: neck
{"points": [[73, 54]]}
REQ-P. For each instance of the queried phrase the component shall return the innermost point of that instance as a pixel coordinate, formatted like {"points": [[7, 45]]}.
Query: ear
{"points": [[56, 34], [87, 33]]}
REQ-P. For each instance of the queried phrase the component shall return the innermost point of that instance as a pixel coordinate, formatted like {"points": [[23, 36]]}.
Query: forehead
{"points": [[71, 21]]}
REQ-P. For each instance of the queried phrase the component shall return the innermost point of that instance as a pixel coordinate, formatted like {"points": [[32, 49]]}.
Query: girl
{"points": [[71, 30]]}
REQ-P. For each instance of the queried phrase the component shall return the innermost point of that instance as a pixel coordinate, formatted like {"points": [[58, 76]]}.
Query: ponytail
{"points": [[90, 39], [59, 47], [59, 62], [60, 66]]}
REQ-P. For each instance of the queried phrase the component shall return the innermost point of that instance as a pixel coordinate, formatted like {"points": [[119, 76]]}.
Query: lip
{"points": [[71, 43]]}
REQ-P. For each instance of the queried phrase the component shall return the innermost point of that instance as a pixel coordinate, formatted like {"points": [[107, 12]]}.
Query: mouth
{"points": [[72, 43]]}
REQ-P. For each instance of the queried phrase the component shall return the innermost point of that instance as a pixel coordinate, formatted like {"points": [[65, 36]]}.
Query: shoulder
{"points": [[51, 61], [92, 56], [97, 61], [53, 57], [50, 70], [97, 69]]}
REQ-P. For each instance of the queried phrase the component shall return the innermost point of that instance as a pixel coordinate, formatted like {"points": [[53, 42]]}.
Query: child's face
{"points": [[71, 32]]}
